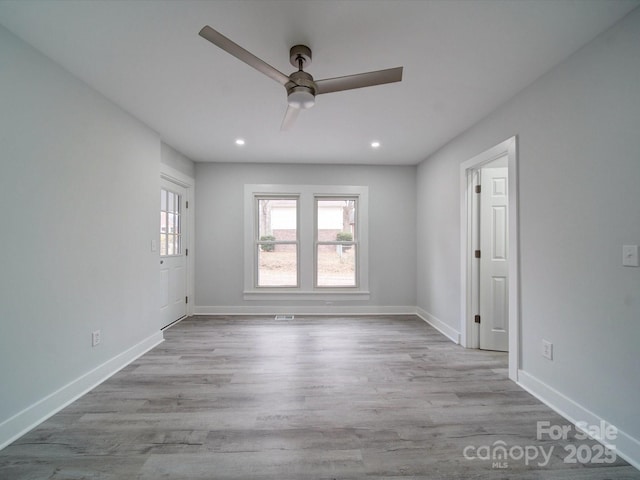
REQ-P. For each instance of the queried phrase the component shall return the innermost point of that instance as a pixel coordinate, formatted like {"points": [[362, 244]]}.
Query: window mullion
{"points": [[305, 237]]}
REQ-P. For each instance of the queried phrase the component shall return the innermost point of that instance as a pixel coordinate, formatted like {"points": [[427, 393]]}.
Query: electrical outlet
{"points": [[95, 338], [547, 349], [630, 256]]}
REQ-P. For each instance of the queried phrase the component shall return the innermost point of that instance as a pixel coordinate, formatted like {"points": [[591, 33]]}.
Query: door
{"points": [[173, 253], [494, 256]]}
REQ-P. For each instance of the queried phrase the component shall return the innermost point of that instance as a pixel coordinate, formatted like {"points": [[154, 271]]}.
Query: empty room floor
{"points": [[312, 398]]}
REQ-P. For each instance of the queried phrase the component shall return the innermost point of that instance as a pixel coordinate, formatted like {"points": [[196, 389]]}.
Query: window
{"points": [[305, 242], [277, 241], [170, 223], [336, 242]]}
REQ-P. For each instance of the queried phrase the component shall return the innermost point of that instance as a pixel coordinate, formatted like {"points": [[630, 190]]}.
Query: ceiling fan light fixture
{"points": [[301, 97]]}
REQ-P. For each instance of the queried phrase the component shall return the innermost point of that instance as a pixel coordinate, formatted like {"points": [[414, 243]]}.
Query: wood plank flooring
{"points": [[312, 398]]}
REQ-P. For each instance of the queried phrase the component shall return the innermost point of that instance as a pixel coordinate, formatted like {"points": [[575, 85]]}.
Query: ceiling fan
{"points": [[301, 87]]}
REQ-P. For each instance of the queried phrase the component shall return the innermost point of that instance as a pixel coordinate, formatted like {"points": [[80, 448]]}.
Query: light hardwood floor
{"points": [[313, 398]]}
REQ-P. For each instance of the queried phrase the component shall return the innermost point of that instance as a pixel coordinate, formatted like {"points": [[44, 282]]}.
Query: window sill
{"points": [[324, 295]]}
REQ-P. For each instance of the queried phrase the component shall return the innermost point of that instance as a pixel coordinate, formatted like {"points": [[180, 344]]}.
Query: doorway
{"points": [[174, 249], [489, 252]]}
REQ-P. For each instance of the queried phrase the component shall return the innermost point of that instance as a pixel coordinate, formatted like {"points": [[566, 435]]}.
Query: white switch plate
{"points": [[154, 245], [630, 255], [95, 338], [547, 349]]}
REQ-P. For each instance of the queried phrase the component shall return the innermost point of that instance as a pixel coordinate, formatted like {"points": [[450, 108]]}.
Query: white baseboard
{"points": [[626, 446], [24, 421], [304, 310], [449, 332]]}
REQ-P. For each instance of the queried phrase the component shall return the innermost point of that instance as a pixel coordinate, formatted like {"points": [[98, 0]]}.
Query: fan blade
{"points": [[359, 80], [240, 53], [289, 117]]}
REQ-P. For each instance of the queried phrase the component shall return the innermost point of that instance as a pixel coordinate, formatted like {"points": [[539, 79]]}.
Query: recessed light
{"points": [[239, 141], [375, 144]]}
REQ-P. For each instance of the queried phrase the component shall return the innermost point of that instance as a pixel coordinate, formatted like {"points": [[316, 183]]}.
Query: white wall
{"points": [[79, 194], [220, 222], [579, 183]]}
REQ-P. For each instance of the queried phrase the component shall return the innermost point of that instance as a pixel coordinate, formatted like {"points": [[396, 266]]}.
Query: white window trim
{"points": [[306, 236]]}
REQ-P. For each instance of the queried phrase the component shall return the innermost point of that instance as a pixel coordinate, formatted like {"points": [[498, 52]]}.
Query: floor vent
{"points": [[284, 317]]}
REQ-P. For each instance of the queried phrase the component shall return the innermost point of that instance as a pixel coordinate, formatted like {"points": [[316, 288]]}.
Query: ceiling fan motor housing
{"points": [[301, 90]]}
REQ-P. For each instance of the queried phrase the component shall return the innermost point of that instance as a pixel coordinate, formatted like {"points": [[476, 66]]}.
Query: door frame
{"points": [[175, 176], [468, 334]]}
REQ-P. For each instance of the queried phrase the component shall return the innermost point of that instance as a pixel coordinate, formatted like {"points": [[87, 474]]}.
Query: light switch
{"points": [[630, 255], [154, 246]]}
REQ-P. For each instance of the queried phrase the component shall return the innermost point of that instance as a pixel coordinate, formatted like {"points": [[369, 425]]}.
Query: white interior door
{"points": [[173, 252], [494, 256]]}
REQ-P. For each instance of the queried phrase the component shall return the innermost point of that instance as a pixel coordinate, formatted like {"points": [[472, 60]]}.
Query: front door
{"points": [[494, 256], [173, 271]]}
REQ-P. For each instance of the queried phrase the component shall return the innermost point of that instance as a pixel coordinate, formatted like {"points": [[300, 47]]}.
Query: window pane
{"points": [[170, 203], [277, 265], [176, 223], [163, 222], [277, 222], [277, 219], [163, 199], [163, 245], [170, 244], [336, 265], [336, 219], [336, 222]]}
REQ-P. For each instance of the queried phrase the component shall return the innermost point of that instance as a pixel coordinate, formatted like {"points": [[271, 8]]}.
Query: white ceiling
{"points": [[461, 60]]}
